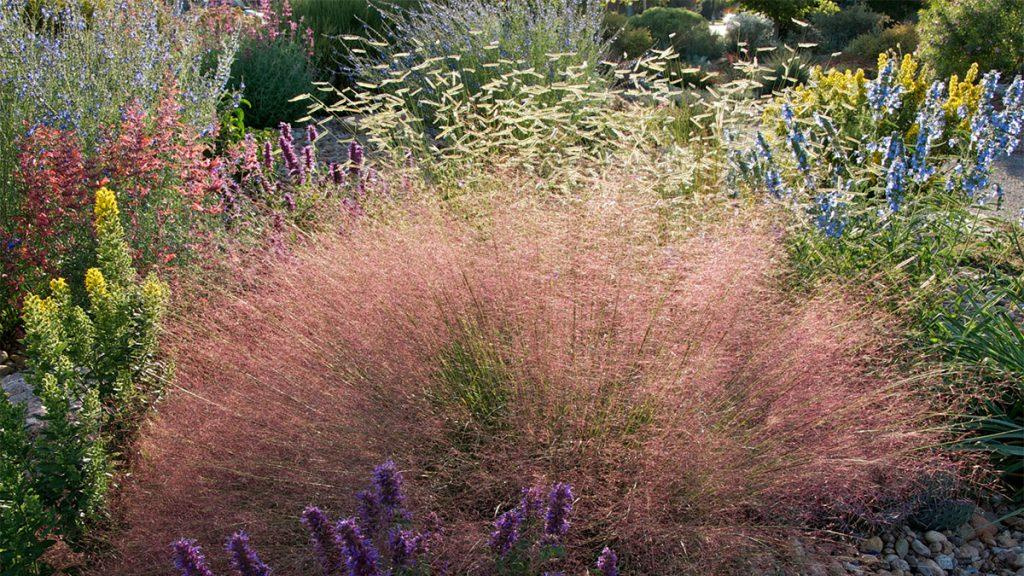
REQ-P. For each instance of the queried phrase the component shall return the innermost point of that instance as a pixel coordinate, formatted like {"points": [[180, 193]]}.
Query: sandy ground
{"points": [[1009, 172]]}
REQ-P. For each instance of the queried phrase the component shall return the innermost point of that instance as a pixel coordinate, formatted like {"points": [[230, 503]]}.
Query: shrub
{"points": [[633, 42], [955, 34], [865, 48], [270, 74], [87, 366], [782, 12], [751, 29], [838, 28], [682, 29], [613, 23], [897, 11]]}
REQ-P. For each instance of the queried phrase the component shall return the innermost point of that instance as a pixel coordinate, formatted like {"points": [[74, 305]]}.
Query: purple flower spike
{"points": [[322, 535], [243, 558], [362, 556], [506, 531], [356, 156], [532, 501], [404, 546], [337, 174], [311, 133], [369, 510], [189, 559], [608, 562], [308, 159], [268, 155], [286, 132], [387, 480], [559, 507]]}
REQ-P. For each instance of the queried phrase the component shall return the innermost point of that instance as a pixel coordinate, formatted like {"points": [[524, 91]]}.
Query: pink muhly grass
{"points": [[694, 407]]}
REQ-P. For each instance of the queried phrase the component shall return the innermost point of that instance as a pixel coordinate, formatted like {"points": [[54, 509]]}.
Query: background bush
{"points": [[957, 33], [753, 29], [692, 38], [272, 72], [838, 28], [898, 10], [864, 49]]}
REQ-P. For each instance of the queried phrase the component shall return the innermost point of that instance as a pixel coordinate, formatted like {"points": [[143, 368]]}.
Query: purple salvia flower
{"points": [[308, 159], [361, 556], [608, 562], [289, 201], [285, 130], [311, 134], [559, 507], [291, 161], [188, 559], [404, 545], [337, 174], [322, 535], [506, 531], [532, 501], [387, 481], [356, 156], [243, 558], [369, 510]]}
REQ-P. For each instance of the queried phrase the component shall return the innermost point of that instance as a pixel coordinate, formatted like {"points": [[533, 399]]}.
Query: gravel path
{"points": [[1009, 172]]}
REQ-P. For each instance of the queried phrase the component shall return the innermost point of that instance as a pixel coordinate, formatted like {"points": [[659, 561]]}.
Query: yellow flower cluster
{"points": [[106, 205], [963, 93], [95, 283]]}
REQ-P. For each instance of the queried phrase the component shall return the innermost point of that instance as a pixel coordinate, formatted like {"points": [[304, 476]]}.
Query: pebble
{"points": [[928, 567], [984, 529], [872, 545], [921, 548], [945, 562], [934, 537], [902, 547]]}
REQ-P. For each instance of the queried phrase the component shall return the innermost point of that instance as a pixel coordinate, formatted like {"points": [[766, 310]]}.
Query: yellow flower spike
{"points": [[106, 205], [95, 283]]}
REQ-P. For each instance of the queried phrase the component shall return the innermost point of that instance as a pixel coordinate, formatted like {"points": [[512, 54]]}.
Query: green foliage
{"points": [[897, 10], [270, 74], [685, 31], [782, 69], [955, 34], [330, 20], [84, 366], [783, 12], [25, 521], [865, 48], [838, 28], [613, 23]]}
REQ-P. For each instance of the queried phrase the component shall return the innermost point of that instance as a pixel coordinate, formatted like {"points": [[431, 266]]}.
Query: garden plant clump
{"points": [[634, 287]]}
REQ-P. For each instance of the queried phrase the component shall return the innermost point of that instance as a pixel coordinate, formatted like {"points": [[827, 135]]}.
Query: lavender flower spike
{"points": [[361, 555], [189, 559], [387, 480], [559, 507], [243, 558], [506, 531], [322, 535], [608, 562]]}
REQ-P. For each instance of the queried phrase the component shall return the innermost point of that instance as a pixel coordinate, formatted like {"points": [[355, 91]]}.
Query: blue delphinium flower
{"points": [[506, 530], [895, 183], [556, 522], [885, 92], [608, 562], [361, 556], [829, 219], [796, 140], [243, 558], [930, 123], [772, 179], [323, 537], [188, 559]]}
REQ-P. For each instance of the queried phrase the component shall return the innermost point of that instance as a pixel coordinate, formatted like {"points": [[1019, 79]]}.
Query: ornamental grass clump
{"points": [[695, 408], [93, 369]]}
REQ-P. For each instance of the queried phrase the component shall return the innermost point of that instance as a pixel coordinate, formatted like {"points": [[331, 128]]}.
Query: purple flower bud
{"points": [[362, 556], [355, 159], [268, 155], [506, 531], [243, 558], [559, 508], [311, 133], [369, 510], [307, 159], [286, 131], [188, 559], [532, 501], [337, 174], [291, 162], [289, 201], [608, 562], [387, 481], [323, 538]]}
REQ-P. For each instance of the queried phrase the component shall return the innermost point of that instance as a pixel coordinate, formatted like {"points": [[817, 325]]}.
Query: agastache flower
{"points": [[188, 559], [608, 562], [355, 160], [387, 481], [556, 522], [323, 537], [506, 531], [243, 558], [361, 556], [369, 509]]}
